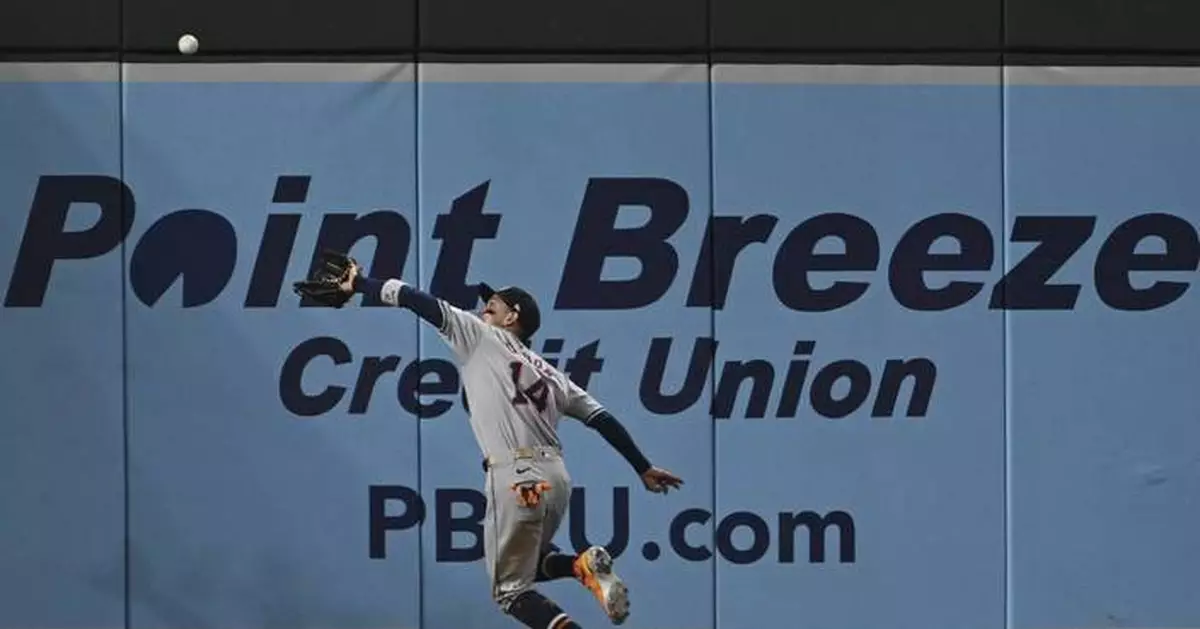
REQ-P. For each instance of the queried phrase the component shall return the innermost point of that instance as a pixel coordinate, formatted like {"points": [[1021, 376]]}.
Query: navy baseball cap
{"points": [[519, 299]]}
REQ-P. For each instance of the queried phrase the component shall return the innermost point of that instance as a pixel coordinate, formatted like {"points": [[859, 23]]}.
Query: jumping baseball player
{"points": [[515, 402]]}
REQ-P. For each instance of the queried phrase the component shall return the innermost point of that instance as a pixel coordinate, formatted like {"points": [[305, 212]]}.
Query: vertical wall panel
{"points": [[557, 158], [900, 161], [61, 449], [1102, 400], [249, 493]]}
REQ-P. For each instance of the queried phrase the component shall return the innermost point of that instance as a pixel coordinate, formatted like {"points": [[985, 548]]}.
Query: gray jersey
{"points": [[516, 398]]}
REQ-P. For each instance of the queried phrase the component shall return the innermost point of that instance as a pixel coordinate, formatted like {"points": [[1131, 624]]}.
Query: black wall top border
{"points": [[952, 31]]}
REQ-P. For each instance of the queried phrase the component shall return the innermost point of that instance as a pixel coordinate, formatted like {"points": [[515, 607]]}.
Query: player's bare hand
{"points": [[660, 481], [347, 285]]}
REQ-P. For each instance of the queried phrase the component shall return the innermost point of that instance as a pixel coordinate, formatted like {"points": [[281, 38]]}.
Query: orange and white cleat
{"points": [[594, 569]]}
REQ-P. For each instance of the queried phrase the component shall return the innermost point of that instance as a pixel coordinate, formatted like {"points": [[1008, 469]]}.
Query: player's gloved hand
{"points": [[332, 283], [347, 285], [660, 481]]}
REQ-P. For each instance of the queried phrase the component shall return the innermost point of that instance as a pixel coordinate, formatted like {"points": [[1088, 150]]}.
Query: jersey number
{"points": [[535, 393]]}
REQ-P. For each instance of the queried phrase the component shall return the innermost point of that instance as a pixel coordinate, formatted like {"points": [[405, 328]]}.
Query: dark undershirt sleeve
{"points": [[619, 438]]}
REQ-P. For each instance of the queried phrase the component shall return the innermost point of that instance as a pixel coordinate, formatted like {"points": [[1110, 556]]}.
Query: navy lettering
{"points": [[198, 250], [458, 230], [725, 238], [292, 394], [921, 372], [760, 537], [196, 247], [389, 231], [597, 239], [368, 375], [1025, 286], [742, 537], [45, 240], [550, 349], [793, 383], [577, 521], [470, 524], [837, 390], [584, 364], [678, 535], [650, 389], [416, 380], [911, 260], [817, 526], [761, 376], [1118, 258], [379, 523], [797, 261], [414, 387], [825, 401], [275, 248]]}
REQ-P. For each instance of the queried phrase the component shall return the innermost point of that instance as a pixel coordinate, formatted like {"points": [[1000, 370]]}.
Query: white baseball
{"points": [[188, 44]]}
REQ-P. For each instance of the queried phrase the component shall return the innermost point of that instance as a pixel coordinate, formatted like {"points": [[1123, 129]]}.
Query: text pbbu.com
{"points": [[739, 537]]}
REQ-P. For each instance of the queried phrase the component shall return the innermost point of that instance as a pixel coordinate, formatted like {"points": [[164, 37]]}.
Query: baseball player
{"points": [[516, 400]]}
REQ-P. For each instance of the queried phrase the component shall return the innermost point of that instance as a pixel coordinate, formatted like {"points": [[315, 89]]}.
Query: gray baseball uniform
{"points": [[516, 401]]}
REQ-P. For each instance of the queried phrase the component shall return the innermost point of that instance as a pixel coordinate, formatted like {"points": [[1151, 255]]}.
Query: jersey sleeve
{"points": [[461, 330], [580, 404]]}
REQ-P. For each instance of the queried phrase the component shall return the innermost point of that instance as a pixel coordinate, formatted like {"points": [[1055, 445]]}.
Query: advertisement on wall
{"points": [[913, 336]]}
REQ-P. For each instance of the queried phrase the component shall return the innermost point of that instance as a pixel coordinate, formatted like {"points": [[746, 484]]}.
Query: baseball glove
{"points": [[322, 286]]}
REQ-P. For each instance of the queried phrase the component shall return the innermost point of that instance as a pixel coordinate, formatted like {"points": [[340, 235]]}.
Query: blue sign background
{"points": [[1102, 413], [926, 493], [538, 160], [230, 493], [61, 447], [163, 469]]}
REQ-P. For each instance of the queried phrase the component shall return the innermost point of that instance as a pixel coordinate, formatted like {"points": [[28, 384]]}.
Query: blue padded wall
{"points": [[917, 338]]}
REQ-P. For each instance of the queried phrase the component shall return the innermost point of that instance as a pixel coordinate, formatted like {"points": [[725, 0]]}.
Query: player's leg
{"points": [[521, 506], [555, 564], [535, 611], [490, 529], [594, 569]]}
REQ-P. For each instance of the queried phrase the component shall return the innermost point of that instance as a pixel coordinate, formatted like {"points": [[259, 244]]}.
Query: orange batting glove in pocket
{"points": [[529, 493]]}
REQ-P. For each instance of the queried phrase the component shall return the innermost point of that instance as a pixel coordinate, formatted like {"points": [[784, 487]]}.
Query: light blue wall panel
{"points": [[62, 496], [1102, 211], [250, 495], [559, 159], [859, 211]]}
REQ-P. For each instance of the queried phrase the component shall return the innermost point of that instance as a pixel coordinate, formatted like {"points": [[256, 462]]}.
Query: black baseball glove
{"points": [[323, 285]]}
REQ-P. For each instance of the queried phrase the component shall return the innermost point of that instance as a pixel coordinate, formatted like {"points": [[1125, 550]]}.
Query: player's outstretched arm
{"points": [[396, 293], [581, 405], [654, 478], [460, 330]]}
